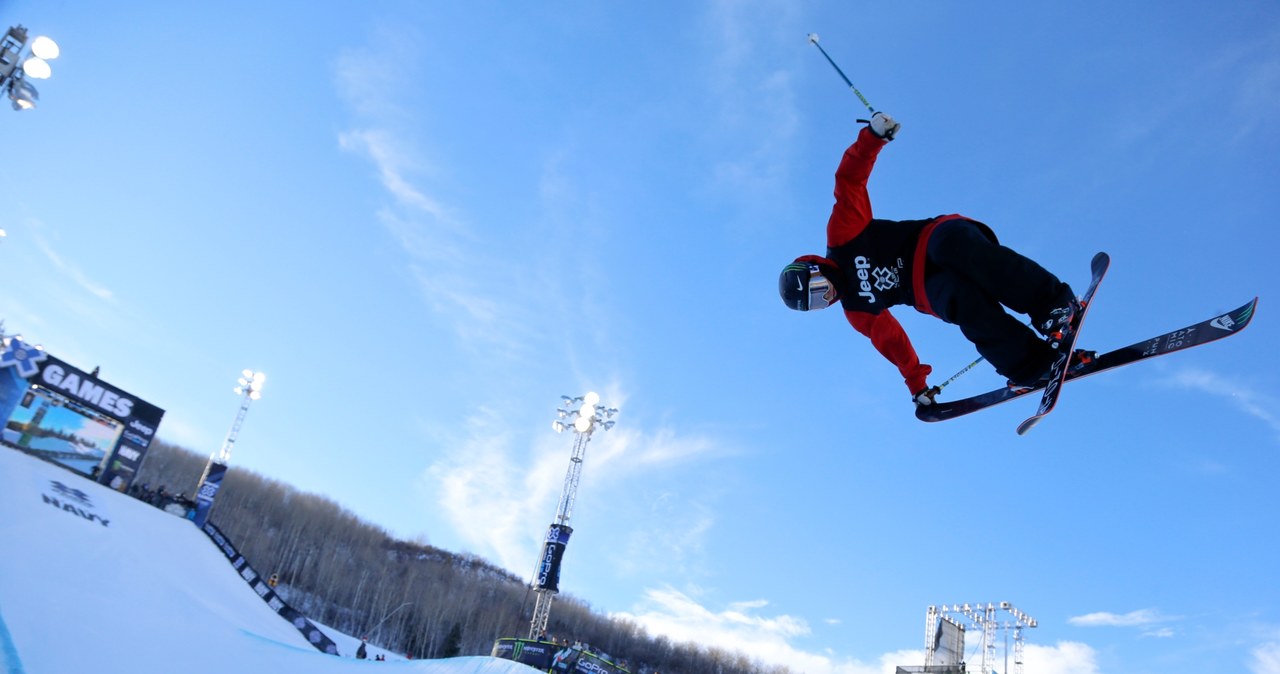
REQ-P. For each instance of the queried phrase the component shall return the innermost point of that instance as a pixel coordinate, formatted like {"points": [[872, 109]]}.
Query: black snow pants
{"points": [[968, 277]]}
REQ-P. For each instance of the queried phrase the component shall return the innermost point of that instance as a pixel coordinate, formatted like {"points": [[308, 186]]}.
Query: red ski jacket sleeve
{"points": [[852, 211], [849, 216], [891, 341]]}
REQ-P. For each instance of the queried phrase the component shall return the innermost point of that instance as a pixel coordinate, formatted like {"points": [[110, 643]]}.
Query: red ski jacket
{"points": [[882, 262]]}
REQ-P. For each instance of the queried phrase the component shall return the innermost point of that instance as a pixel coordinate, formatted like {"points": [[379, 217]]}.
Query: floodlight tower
{"points": [[584, 421], [984, 617], [249, 388], [21, 62]]}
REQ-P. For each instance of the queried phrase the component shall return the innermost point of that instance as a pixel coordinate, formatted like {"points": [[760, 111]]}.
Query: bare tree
{"points": [[408, 597]]}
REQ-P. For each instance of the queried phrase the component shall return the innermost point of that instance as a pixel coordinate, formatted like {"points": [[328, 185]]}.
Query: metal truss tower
{"points": [[546, 576], [986, 618]]}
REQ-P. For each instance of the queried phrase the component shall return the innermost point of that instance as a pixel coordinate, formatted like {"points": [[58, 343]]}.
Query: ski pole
{"points": [[813, 39], [962, 371]]}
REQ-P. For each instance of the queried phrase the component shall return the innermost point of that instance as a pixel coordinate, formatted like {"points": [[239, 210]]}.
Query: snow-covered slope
{"points": [[95, 581]]}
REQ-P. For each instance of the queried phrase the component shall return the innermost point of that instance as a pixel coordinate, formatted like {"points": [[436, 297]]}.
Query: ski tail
{"points": [[1066, 344]]}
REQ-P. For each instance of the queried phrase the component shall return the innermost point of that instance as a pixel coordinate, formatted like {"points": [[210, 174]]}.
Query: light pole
{"points": [[374, 629], [583, 421], [17, 69], [249, 389]]}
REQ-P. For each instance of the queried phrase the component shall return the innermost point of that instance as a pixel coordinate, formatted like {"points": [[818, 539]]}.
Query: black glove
{"points": [[926, 396]]}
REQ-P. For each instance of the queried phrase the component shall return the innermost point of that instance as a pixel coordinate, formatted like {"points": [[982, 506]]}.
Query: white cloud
{"points": [[443, 251], [1137, 618], [670, 541], [1252, 70], [364, 76], [394, 163], [1066, 657], [742, 627], [1250, 401], [758, 112], [494, 499], [635, 449], [72, 271], [1265, 659], [495, 493]]}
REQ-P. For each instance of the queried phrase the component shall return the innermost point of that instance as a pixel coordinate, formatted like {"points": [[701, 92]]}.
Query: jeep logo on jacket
{"points": [[875, 268]]}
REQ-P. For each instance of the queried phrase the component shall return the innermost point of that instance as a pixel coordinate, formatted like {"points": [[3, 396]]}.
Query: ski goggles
{"points": [[822, 293], [804, 288]]}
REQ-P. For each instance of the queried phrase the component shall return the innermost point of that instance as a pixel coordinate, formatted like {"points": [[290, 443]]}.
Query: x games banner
{"points": [[58, 412]]}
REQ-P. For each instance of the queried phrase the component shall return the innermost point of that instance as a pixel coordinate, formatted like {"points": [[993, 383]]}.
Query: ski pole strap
{"points": [[963, 370]]}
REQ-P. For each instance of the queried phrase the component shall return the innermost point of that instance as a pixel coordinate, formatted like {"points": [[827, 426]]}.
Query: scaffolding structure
{"points": [[987, 618]]}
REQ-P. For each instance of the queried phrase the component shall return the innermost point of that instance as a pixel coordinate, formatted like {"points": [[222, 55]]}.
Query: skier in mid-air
{"points": [[948, 266]]}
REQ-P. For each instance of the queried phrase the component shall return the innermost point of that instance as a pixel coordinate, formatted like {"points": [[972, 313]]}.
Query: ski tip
{"points": [[1237, 319], [1028, 425]]}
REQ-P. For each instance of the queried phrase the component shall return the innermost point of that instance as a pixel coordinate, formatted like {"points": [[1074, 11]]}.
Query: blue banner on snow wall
{"points": [[314, 636]]}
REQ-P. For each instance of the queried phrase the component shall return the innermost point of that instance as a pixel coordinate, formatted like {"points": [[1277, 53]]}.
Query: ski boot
{"points": [[1080, 359], [1061, 322]]}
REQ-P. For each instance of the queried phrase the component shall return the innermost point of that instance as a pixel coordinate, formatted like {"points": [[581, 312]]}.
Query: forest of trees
{"points": [[406, 597]]}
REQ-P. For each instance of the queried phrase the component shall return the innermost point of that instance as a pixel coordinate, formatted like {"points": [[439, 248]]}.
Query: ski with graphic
{"points": [[1210, 330], [1066, 342]]}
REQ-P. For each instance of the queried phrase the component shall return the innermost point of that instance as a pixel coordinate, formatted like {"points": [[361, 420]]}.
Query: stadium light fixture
{"points": [[250, 384], [22, 94], [34, 60], [586, 418], [45, 48], [37, 68]]}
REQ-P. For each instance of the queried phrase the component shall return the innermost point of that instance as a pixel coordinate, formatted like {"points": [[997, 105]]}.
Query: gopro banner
{"points": [[591, 663], [209, 486], [552, 553], [60, 413]]}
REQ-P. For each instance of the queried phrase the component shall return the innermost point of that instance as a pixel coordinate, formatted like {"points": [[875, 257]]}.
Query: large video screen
{"points": [[61, 430], [51, 409], [948, 642]]}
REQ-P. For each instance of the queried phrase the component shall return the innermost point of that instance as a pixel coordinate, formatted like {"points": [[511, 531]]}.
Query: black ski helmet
{"points": [[803, 287]]}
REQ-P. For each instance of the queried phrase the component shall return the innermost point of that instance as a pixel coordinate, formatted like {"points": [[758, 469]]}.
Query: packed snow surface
{"points": [[95, 581]]}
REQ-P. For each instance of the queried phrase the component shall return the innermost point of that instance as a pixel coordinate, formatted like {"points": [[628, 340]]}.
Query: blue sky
{"points": [[427, 221]]}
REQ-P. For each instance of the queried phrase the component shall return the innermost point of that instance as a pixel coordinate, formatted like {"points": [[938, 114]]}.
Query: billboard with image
{"points": [[58, 412], [948, 642]]}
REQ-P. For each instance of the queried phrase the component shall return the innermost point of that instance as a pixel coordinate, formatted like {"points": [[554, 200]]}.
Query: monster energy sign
{"points": [[549, 657]]}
